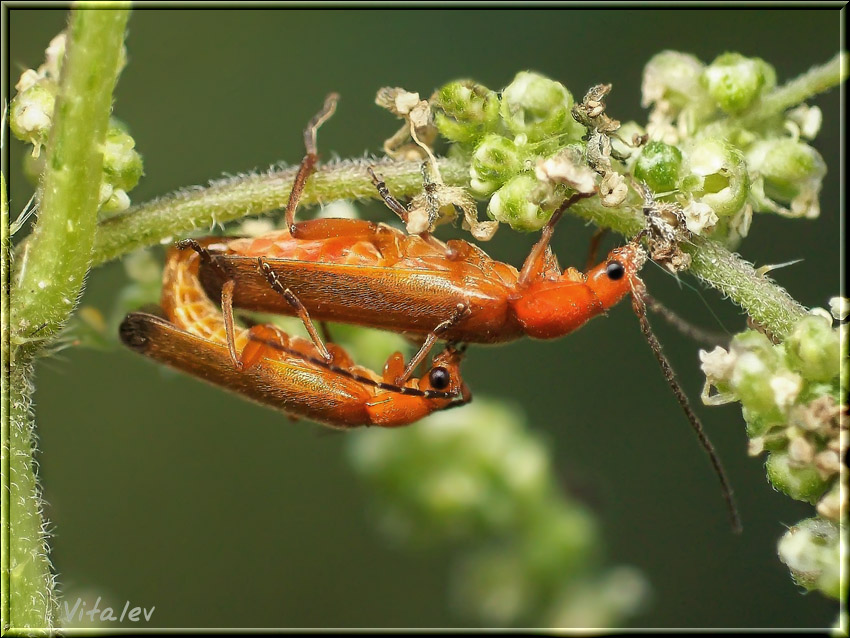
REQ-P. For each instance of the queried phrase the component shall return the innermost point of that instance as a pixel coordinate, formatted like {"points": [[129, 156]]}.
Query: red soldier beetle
{"points": [[355, 271], [286, 372]]}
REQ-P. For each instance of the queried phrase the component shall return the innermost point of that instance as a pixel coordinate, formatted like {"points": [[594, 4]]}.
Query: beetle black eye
{"points": [[615, 270], [439, 378]]}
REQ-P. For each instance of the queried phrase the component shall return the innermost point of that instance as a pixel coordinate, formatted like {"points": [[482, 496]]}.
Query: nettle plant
{"points": [[722, 141]]}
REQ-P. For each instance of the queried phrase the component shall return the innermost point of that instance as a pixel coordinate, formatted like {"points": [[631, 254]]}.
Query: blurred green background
{"points": [[164, 491]]}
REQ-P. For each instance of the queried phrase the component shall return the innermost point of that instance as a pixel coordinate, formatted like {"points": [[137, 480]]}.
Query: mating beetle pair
{"points": [[354, 271]]}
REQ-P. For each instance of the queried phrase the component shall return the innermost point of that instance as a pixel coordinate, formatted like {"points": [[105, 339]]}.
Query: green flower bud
{"points": [[122, 165], [659, 165], [800, 483], [751, 381], [755, 342], [31, 114], [788, 167], [515, 204], [735, 81], [717, 175], [811, 550], [674, 78], [813, 349], [464, 111], [537, 107], [495, 160], [757, 425]]}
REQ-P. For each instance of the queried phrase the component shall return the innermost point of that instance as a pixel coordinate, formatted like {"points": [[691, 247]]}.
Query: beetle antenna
{"points": [[639, 306], [685, 327]]}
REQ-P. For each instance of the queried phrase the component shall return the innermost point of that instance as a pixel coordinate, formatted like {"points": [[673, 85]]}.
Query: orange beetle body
{"points": [[358, 272], [282, 371]]}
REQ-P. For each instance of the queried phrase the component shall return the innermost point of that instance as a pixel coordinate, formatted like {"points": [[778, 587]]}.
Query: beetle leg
{"points": [[536, 262], [326, 331], [593, 249], [392, 203], [227, 311], [398, 208], [300, 309], [460, 311], [308, 164]]}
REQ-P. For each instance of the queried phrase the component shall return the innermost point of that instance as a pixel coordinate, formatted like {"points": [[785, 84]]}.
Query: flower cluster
{"points": [[31, 117], [716, 154], [706, 147], [792, 396], [479, 475], [507, 136]]}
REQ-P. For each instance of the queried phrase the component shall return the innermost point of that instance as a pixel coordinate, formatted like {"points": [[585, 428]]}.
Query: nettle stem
{"points": [[51, 269], [49, 278], [168, 218]]}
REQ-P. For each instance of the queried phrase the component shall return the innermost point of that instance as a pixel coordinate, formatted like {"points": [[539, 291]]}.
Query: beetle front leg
{"points": [[461, 311]]}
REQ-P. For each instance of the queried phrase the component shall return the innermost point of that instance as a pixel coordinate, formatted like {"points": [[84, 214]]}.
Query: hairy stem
{"points": [[49, 278], [767, 303], [51, 269], [181, 212], [804, 87], [31, 582], [816, 80]]}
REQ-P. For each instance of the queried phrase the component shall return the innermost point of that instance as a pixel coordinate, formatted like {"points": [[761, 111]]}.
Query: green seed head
{"points": [[659, 165], [813, 349], [122, 165], [516, 204], [811, 550], [537, 107], [31, 114], [672, 80], [716, 174], [734, 81], [802, 483], [465, 111], [495, 160], [789, 167]]}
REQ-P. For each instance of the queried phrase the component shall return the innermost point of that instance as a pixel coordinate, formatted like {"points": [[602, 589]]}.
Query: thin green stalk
{"points": [[174, 215], [767, 303], [51, 270]]}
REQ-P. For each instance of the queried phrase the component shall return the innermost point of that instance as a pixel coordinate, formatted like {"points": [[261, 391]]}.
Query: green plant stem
{"points": [[165, 219], [168, 218], [816, 80], [49, 278], [767, 303], [51, 269], [31, 582]]}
